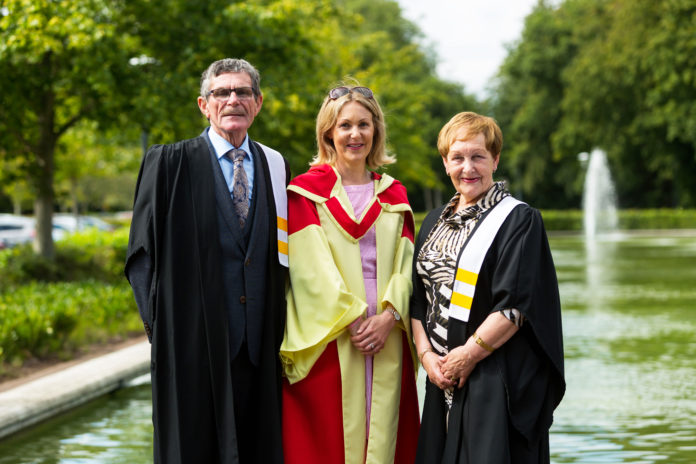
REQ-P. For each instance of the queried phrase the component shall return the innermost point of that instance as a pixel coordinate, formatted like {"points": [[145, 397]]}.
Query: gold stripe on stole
{"points": [[282, 247], [282, 244], [467, 277], [461, 300]]}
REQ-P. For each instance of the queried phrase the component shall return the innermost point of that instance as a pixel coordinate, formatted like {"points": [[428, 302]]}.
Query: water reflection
{"points": [[114, 429], [600, 253], [630, 350], [629, 325]]}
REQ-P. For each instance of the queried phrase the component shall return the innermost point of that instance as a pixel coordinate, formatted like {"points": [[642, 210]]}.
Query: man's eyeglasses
{"points": [[223, 94], [338, 92]]}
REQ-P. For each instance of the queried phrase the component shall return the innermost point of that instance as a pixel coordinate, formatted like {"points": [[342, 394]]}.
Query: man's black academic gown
{"points": [[503, 413], [175, 224]]}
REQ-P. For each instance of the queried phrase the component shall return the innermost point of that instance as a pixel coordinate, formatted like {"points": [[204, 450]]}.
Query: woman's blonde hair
{"points": [[326, 120], [474, 124]]}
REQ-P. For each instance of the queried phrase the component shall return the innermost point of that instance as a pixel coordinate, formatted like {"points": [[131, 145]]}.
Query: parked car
{"points": [[64, 224], [15, 230]]}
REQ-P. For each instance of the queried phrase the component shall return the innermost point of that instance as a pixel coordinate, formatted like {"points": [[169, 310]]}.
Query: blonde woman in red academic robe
{"points": [[350, 392]]}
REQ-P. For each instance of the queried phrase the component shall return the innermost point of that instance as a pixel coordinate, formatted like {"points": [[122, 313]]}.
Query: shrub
{"points": [[657, 219], [562, 219], [629, 219], [41, 318], [55, 307]]}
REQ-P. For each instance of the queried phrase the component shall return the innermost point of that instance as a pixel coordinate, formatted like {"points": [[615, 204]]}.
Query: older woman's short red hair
{"points": [[473, 124]]}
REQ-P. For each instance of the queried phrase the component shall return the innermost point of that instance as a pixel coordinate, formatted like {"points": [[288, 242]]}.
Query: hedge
{"points": [[42, 319], [54, 308]]}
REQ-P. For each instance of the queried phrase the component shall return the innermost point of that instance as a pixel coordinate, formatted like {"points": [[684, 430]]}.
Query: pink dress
{"points": [[360, 197]]}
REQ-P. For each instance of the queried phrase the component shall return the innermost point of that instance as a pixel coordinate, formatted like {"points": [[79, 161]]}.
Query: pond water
{"points": [[629, 323], [113, 429], [629, 315]]}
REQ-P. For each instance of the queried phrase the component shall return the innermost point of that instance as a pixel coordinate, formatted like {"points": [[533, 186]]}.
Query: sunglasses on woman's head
{"points": [[338, 92]]}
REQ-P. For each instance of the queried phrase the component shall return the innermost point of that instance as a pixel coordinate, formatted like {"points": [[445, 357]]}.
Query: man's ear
{"points": [[203, 106]]}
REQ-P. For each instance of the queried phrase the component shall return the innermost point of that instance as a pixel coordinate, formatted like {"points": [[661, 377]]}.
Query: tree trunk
{"points": [[43, 180], [43, 204], [43, 211], [428, 198], [432, 198], [437, 197]]}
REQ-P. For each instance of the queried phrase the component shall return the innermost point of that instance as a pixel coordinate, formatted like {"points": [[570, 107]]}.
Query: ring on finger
{"points": [[372, 346]]}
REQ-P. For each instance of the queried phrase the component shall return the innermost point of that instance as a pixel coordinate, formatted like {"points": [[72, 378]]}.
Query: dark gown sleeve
{"points": [[139, 274], [148, 211], [525, 278]]}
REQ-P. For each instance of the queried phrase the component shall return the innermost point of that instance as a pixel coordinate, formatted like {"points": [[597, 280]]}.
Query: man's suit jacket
{"points": [[245, 254]]}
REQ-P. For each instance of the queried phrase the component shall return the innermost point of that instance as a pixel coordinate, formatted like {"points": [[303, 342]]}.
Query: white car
{"points": [[15, 230], [64, 224]]}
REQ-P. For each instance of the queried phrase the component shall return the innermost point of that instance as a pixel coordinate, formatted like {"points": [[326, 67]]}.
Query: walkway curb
{"points": [[30, 403]]}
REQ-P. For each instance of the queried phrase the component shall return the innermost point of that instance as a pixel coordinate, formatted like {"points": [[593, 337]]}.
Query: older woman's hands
{"points": [[432, 363], [370, 337], [495, 330], [458, 364]]}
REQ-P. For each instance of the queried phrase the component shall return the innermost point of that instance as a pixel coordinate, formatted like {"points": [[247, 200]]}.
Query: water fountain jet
{"points": [[599, 197]]}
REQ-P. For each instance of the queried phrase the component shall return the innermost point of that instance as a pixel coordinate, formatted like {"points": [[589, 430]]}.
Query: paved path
{"points": [[34, 401]]}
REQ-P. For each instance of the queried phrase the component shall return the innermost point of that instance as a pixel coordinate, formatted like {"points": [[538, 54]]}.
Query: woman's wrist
{"points": [[422, 353], [479, 341], [475, 351], [388, 316], [394, 313]]}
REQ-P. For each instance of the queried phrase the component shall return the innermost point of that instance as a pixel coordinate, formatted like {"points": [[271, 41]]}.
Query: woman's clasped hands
{"points": [[369, 335], [450, 370]]}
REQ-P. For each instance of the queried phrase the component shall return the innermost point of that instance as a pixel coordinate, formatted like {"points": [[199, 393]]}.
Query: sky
{"points": [[469, 36]]}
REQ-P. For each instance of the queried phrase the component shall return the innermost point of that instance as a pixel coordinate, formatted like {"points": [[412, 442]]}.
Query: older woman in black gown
{"points": [[485, 313]]}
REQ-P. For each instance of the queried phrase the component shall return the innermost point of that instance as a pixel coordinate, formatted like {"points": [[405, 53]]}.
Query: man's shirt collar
{"points": [[222, 146]]}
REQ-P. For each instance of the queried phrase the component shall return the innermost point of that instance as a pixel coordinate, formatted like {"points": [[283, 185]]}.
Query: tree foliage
{"points": [[60, 63], [614, 74], [632, 89]]}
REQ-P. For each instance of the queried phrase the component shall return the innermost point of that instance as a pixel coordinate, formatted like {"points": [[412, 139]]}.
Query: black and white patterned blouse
{"points": [[436, 262]]}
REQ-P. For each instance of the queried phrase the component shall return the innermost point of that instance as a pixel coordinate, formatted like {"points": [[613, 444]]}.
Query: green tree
{"points": [[613, 74], [89, 168], [630, 91], [60, 63]]}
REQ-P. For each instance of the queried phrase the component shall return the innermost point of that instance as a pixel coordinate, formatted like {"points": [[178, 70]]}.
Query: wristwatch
{"points": [[393, 312]]}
